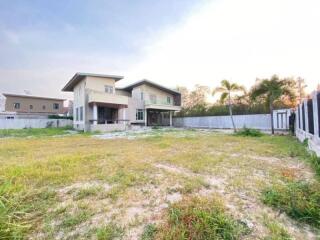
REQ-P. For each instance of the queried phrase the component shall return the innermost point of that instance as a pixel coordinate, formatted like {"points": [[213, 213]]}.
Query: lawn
{"points": [[166, 184]]}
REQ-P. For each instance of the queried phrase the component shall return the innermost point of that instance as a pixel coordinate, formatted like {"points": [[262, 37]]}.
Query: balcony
{"points": [[162, 104], [106, 98]]}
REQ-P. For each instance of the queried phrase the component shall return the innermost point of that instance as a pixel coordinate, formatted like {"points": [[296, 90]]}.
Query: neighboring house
{"points": [[99, 105], [31, 106]]}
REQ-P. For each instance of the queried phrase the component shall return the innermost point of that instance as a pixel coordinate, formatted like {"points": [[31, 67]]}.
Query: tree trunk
{"points": [[231, 116], [271, 114]]}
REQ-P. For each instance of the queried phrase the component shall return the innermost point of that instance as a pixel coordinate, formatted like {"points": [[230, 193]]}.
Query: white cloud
{"points": [[237, 40]]}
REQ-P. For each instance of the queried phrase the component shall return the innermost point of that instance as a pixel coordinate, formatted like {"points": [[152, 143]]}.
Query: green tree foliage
{"points": [[273, 90]]}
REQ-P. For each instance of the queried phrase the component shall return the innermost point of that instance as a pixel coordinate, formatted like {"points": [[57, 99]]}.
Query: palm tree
{"points": [[272, 90], [226, 89]]}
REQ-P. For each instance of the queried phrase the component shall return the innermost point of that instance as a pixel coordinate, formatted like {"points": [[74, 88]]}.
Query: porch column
{"points": [[170, 113], [124, 116], [145, 117], [95, 114]]}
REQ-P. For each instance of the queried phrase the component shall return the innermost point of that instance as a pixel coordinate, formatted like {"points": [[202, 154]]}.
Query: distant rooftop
{"points": [[30, 96], [79, 76]]}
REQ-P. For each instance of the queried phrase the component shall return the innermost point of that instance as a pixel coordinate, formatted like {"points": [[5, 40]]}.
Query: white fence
{"points": [[33, 123], [308, 122], [256, 121]]}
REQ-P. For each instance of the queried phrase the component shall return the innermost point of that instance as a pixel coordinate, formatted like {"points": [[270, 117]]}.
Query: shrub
{"points": [[197, 218], [249, 132], [300, 200]]}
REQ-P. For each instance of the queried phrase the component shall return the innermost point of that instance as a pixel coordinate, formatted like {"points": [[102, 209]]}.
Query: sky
{"points": [[171, 42]]}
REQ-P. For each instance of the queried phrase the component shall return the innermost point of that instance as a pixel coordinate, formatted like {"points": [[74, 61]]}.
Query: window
{"points": [[56, 106], [31, 107], [77, 114], [43, 107], [108, 89], [10, 117], [169, 100], [141, 94], [153, 99], [139, 114], [81, 113], [16, 105]]}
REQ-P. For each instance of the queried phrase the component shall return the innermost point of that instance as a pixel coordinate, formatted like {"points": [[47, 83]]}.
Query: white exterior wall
{"points": [[79, 100]]}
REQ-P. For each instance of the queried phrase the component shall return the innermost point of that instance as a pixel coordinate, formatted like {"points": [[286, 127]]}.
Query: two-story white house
{"points": [[100, 105]]}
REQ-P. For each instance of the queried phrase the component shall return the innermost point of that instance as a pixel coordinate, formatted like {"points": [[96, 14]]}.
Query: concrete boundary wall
{"points": [[303, 130], [256, 121], [33, 123]]}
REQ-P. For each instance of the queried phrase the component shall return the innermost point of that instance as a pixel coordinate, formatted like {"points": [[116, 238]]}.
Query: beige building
{"points": [[100, 105], [25, 104]]}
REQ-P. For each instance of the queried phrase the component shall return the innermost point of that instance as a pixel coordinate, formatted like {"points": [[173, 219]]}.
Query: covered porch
{"points": [[158, 117], [108, 117]]}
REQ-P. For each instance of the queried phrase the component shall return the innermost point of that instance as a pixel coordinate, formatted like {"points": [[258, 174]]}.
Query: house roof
{"points": [[150, 83], [79, 76], [30, 96]]}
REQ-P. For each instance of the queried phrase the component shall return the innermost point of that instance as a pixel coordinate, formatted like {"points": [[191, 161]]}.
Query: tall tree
{"points": [[272, 90], [226, 89]]}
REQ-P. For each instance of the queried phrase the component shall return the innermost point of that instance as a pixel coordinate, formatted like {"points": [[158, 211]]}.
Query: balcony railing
{"points": [[160, 102], [102, 97]]}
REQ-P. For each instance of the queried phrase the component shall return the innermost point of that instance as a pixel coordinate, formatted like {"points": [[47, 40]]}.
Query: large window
{"points": [[139, 114], [31, 107], [108, 89], [81, 113], [16, 105], [56, 106], [141, 95], [169, 100]]}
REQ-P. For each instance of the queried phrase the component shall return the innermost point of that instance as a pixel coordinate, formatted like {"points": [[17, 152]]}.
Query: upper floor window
{"points": [[141, 95], [139, 114], [16, 105], [108, 89], [31, 107], [169, 100], [153, 98], [56, 106], [44, 107]]}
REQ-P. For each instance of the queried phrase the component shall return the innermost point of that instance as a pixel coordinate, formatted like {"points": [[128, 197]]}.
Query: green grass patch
{"points": [[199, 218], [33, 132], [72, 220], [18, 207], [109, 232], [149, 232], [276, 231], [87, 192], [299, 200], [249, 132]]}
